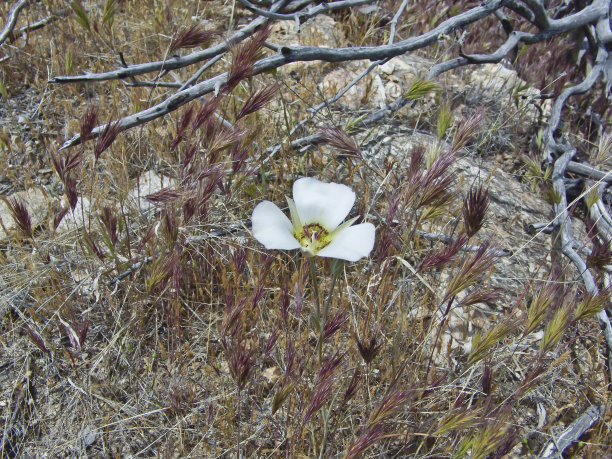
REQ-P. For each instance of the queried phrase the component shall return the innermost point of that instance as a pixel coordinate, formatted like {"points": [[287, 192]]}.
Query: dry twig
{"points": [[11, 20]]}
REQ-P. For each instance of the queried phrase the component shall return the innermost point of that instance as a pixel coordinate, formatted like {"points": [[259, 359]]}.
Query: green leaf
{"points": [[110, 8], [281, 395], [69, 62], [251, 190], [80, 14], [351, 125], [3, 90], [552, 196], [444, 120], [538, 138], [591, 198]]}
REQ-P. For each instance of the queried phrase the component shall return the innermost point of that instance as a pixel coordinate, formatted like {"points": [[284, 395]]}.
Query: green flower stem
{"points": [[325, 418], [315, 287], [328, 301], [322, 321], [321, 316]]}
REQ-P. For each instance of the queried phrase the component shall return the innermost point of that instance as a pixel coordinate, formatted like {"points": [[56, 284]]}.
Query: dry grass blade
{"points": [[472, 269], [556, 326], [419, 88], [64, 163], [457, 420], [36, 339], [474, 210], [379, 422], [243, 59], [164, 195], [466, 130], [181, 335], [591, 305], [543, 301], [240, 361], [88, 122], [80, 14], [341, 141], [258, 100], [106, 138], [191, 37], [600, 256], [481, 344], [368, 349], [20, 215], [440, 258]]}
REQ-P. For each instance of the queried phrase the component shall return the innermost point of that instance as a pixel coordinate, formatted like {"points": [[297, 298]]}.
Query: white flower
{"points": [[317, 211]]}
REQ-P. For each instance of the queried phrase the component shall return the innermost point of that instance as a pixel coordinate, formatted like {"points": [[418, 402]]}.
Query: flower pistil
{"points": [[313, 237]]}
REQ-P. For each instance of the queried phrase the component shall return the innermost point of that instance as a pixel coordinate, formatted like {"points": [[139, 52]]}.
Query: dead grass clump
{"points": [[143, 319]]}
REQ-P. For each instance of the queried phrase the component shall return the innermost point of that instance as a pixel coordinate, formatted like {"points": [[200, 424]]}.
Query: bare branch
{"points": [[309, 13], [40, 24], [174, 62], [567, 247], [26, 29], [558, 444], [152, 84], [510, 44], [301, 53], [567, 241], [314, 110], [200, 72], [521, 10], [305, 53], [551, 144], [504, 21], [541, 18], [593, 13], [394, 20], [602, 219], [11, 20], [310, 53], [589, 171]]}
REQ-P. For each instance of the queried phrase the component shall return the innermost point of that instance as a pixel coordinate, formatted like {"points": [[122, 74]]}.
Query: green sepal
{"points": [[295, 218], [345, 225]]}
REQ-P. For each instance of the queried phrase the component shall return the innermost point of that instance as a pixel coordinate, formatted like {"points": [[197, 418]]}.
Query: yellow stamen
{"points": [[313, 237]]}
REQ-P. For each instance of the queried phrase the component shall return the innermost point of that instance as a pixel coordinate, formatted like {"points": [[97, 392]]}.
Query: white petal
{"points": [[351, 243], [272, 228], [324, 203]]}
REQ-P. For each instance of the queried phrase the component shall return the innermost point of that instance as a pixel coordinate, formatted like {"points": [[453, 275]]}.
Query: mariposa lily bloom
{"points": [[317, 212]]}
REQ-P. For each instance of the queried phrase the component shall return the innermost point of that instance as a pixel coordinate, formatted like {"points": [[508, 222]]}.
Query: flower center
{"points": [[313, 237]]}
